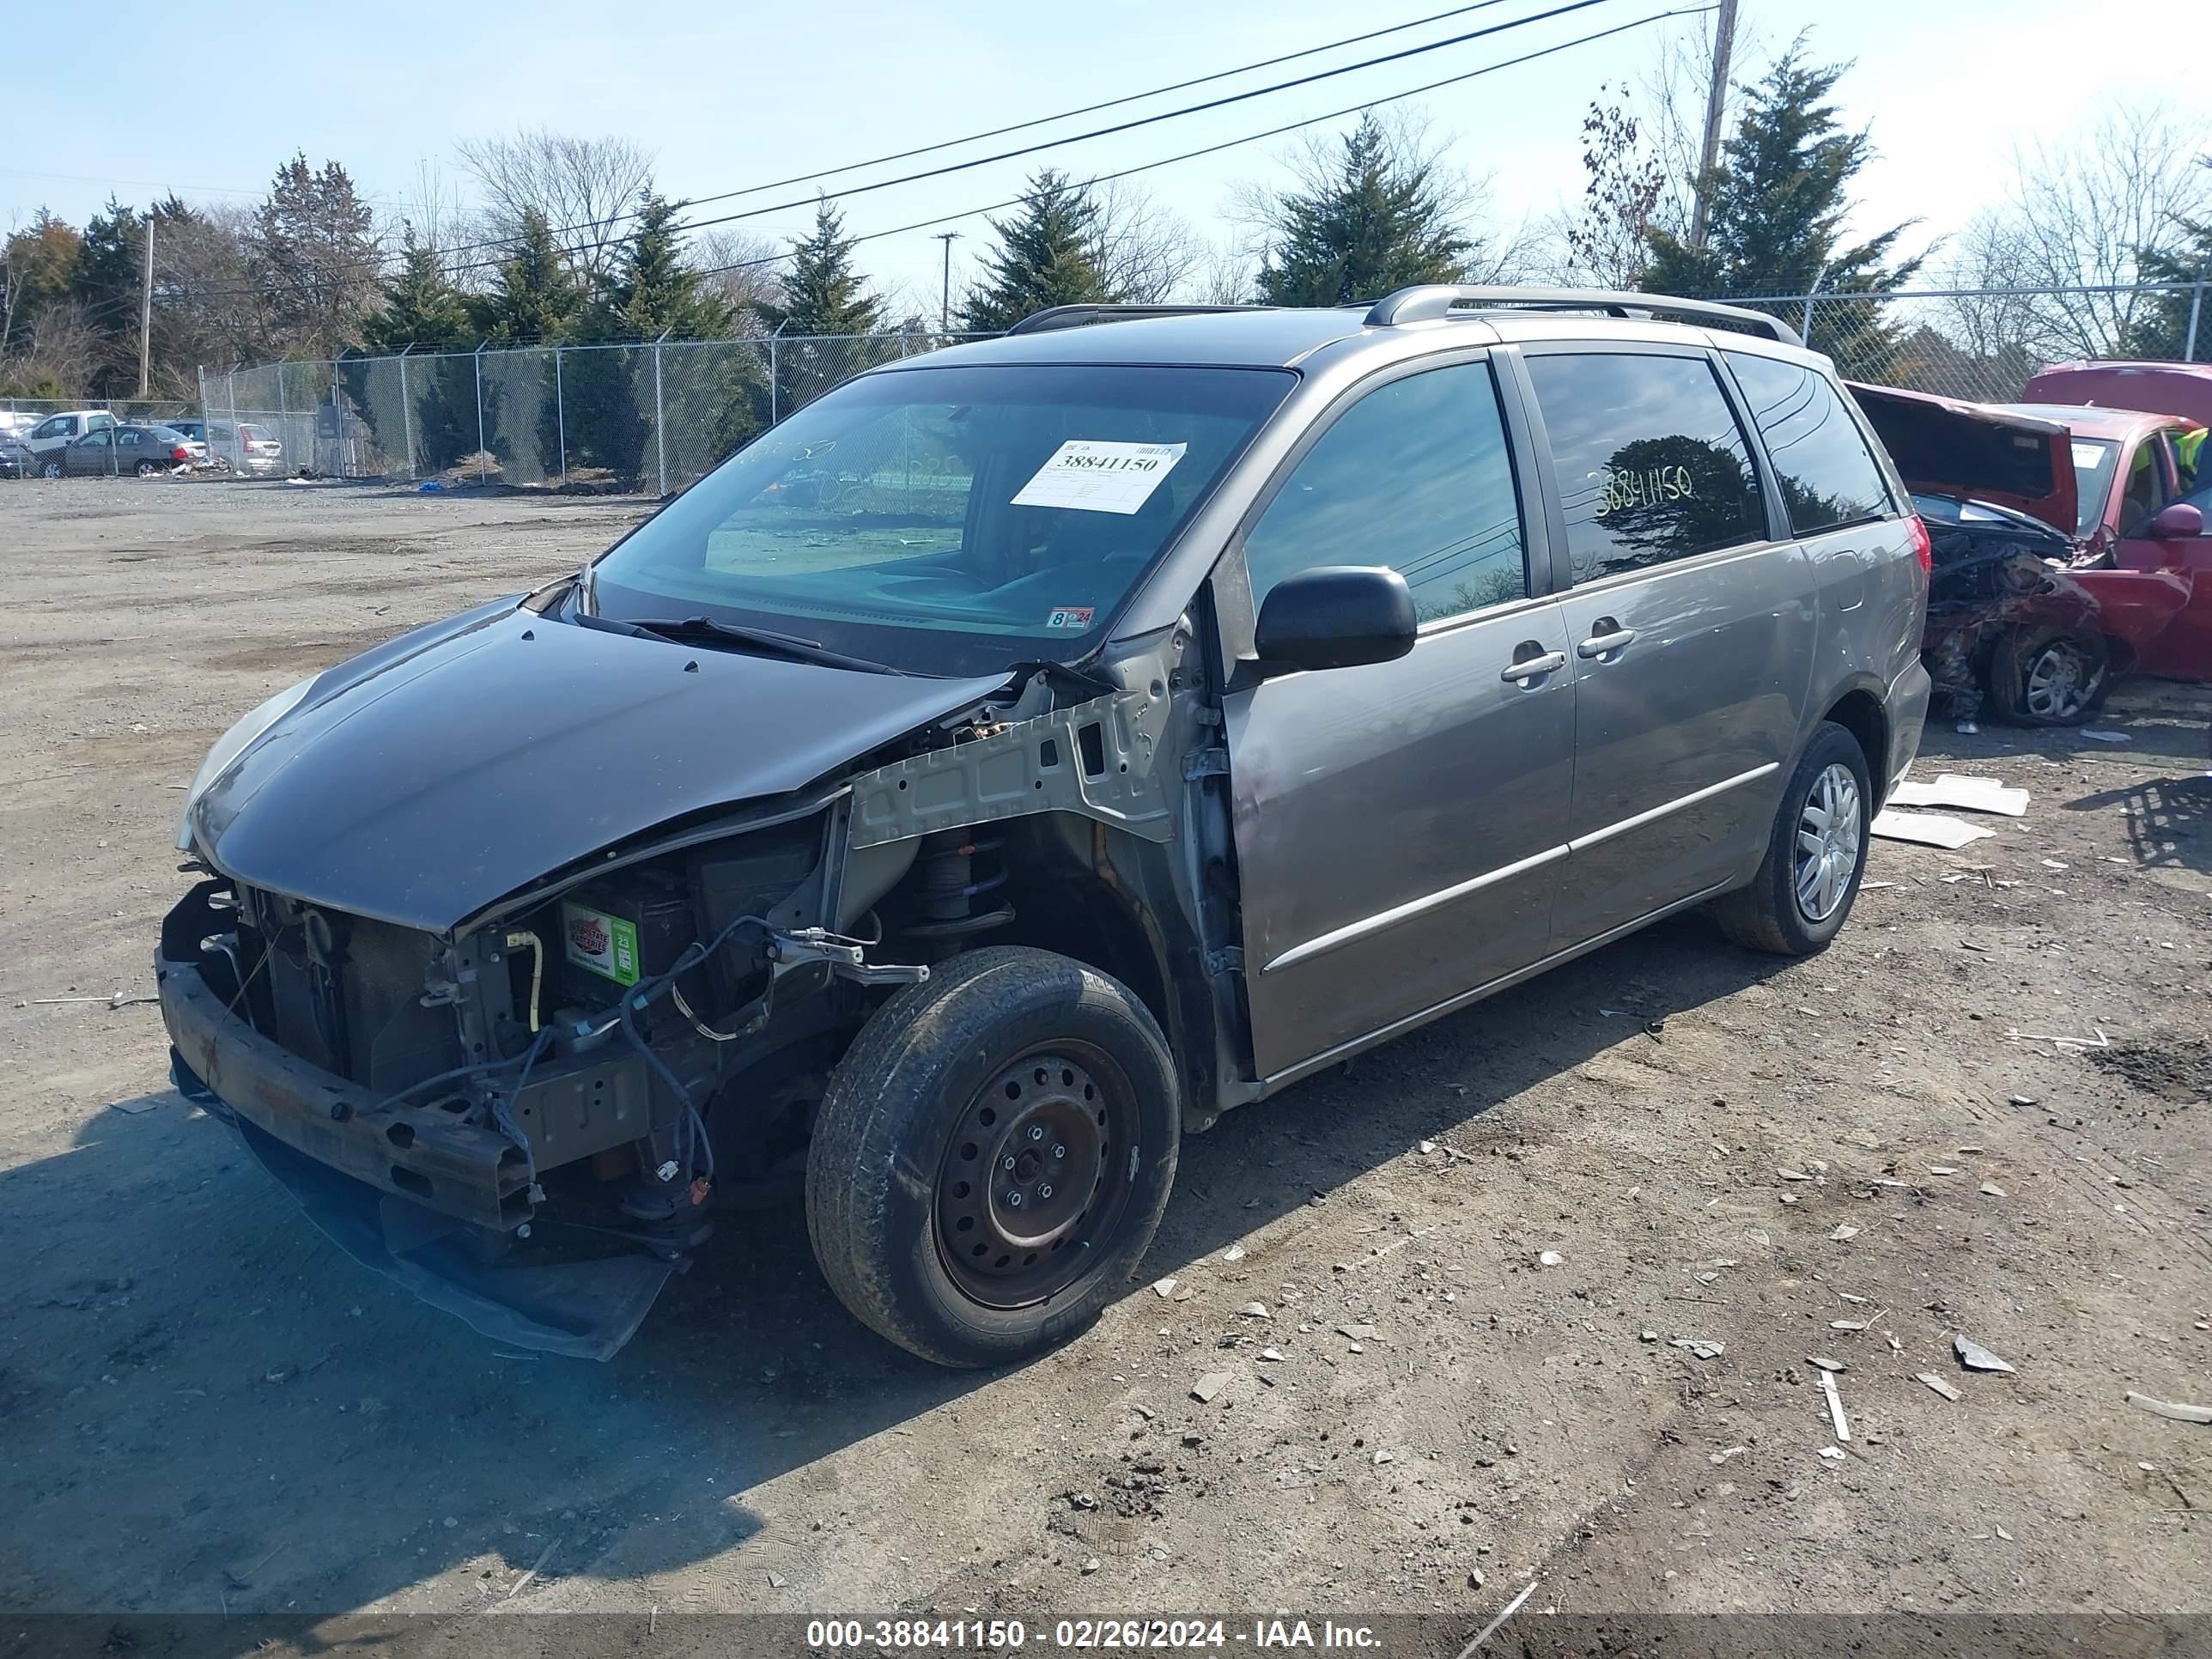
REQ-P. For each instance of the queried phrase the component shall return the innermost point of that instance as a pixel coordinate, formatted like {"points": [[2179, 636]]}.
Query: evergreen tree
{"points": [[823, 293], [708, 396], [313, 253], [104, 282], [1380, 220], [1780, 194], [535, 300], [422, 315], [653, 290], [421, 307], [1047, 255]]}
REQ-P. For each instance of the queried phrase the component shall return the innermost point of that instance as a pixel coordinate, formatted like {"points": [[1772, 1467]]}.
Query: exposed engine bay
{"points": [[591, 1067]]}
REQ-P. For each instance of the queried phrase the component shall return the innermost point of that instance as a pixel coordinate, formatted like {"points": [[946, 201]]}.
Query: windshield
{"points": [[947, 521], [2094, 460]]}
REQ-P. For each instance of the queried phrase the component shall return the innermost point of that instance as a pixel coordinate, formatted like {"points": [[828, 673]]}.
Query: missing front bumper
{"points": [[420, 1207]]}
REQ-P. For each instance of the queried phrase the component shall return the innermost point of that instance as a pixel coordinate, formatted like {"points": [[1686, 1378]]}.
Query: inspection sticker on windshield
{"points": [[1094, 477], [1073, 617]]}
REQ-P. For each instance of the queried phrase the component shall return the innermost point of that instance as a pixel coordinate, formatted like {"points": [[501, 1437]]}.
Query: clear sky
{"points": [[726, 96]]}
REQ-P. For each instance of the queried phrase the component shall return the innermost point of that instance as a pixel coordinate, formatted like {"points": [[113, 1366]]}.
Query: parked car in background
{"points": [[1174, 706], [15, 461], [247, 449], [2064, 557], [115, 450], [16, 422], [57, 431]]}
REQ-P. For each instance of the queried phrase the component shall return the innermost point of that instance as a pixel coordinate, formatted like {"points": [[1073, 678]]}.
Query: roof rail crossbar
{"points": [[1431, 300], [1040, 322]]}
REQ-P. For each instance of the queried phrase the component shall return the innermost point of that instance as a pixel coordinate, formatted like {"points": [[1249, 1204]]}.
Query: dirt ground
{"points": [[205, 1407]]}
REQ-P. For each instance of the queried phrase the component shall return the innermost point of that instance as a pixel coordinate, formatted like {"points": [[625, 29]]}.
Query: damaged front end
{"points": [[2021, 612], [530, 1116], [546, 1079]]}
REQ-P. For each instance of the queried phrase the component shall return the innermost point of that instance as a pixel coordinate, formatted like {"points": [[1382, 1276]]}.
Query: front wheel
{"points": [[2049, 676], [992, 1157], [1815, 854], [51, 469]]}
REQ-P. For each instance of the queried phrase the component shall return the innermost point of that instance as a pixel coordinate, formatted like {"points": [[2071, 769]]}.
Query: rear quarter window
{"points": [[1649, 462], [1827, 474]]}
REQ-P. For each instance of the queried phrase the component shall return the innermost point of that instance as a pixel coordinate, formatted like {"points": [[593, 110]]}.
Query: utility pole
{"points": [[944, 303], [146, 309], [1715, 100]]}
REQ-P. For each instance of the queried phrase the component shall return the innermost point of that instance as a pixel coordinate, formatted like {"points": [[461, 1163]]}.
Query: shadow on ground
{"points": [[257, 1424]]}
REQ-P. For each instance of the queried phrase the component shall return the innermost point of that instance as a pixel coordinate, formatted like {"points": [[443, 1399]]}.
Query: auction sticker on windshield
{"points": [[1092, 476]]}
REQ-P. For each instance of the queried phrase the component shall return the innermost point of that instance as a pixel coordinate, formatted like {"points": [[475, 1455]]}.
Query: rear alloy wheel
{"points": [[2048, 676], [992, 1157], [1815, 854], [147, 469], [51, 469]]}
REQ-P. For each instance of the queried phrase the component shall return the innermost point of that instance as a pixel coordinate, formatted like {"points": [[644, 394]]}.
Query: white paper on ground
{"points": [[1092, 476], [1926, 829], [1971, 794]]}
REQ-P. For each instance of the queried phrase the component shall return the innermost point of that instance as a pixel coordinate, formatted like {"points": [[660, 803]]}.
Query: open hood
{"points": [[1973, 452], [433, 776]]}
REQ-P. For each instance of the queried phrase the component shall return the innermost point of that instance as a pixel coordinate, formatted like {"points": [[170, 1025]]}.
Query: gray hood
{"points": [[432, 776]]}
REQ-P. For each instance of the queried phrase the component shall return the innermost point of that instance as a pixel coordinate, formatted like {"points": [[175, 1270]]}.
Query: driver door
{"points": [[1400, 825], [93, 452]]}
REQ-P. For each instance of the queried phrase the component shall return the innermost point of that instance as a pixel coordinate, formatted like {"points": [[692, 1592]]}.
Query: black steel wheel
{"points": [[992, 1155], [1030, 1178]]}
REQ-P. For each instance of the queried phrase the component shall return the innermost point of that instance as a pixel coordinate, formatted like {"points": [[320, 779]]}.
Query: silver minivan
{"points": [[1021, 757]]}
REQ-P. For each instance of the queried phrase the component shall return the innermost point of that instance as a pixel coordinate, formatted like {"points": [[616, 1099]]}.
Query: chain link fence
{"points": [[652, 418], [1984, 345], [648, 418]]}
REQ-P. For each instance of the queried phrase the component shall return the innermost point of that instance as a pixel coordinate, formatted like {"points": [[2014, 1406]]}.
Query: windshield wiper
{"points": [[707, 630]]}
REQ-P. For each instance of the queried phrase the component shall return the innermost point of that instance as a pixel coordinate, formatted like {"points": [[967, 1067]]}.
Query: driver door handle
{"points": [[1604, 644], [1534, 668]]}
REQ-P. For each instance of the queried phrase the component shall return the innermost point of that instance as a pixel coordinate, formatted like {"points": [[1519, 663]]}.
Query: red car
{"points": [[2183, 389], [2133, 594]]}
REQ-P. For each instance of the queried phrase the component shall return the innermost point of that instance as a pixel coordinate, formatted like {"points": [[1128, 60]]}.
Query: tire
{"points": [[954, 1073], [147, 469], [2049, 675], [49, 470], [1770, 914]]}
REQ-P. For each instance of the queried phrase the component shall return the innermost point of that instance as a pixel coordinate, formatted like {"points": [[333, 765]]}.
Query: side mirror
{"points": [[1336, 617], [2178, 521]]}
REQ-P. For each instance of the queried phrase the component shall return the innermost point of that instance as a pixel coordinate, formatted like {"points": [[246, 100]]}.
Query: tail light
{"points": [[1922, 549], [180, 454]]}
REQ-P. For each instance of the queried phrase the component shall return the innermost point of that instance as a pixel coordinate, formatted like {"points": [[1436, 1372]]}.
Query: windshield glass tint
{"points": [[2094, 460], [947, 521]]}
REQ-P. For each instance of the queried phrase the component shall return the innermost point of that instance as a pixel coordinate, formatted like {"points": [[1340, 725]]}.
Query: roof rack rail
{"points": [[1431, 301], [1040, 322]]}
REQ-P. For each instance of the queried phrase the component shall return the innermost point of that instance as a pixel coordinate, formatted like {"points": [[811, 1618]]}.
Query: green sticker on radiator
{"points": [[606, 945]]}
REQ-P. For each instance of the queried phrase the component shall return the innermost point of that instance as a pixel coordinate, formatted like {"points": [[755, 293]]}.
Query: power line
{"points": [[1024, 126], [1147, 166], [1232, 143]]}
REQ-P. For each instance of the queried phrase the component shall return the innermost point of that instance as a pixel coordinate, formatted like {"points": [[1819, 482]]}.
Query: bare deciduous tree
{"points": [[58, 357], [740, 269], [586, 188], [1145, 251], [2085, 211]]}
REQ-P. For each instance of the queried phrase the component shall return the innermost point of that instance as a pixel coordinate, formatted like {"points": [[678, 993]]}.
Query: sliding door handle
{"points": [[1534, 668], [1610, 637]]}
